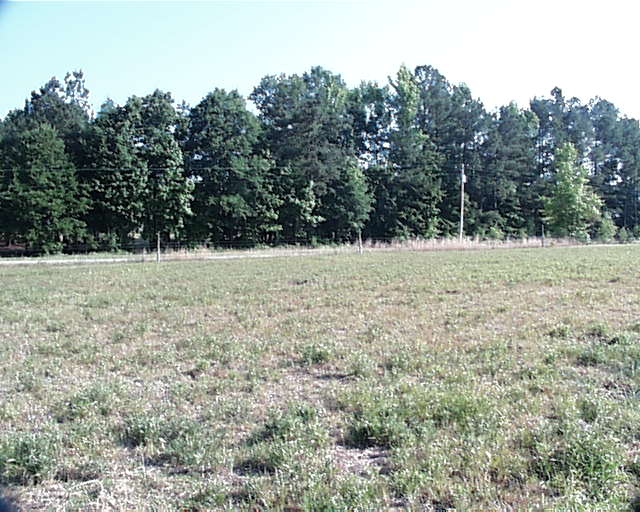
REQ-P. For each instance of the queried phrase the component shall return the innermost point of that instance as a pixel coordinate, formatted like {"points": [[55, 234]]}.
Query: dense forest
{"points": [[317, 162]]}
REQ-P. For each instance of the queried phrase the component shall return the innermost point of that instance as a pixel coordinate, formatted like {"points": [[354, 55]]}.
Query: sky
{"points": [[504, 50]]}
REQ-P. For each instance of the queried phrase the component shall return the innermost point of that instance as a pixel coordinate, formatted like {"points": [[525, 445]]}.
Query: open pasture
{"points": [[494, 379]]}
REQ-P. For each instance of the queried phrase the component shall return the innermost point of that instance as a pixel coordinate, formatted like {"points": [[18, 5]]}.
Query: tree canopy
{"points": [[312, 160], [573, 208]]}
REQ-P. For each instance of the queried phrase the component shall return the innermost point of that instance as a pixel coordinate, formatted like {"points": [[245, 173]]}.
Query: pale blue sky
{"points": [[503, 49]]}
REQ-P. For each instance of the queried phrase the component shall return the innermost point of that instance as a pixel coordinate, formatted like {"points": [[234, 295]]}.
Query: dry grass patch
{"points": [[391, 380]]}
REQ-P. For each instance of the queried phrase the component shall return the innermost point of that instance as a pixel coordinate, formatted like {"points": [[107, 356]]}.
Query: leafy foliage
{"points": [[307, 128], [234, 197], [319, 162], [42, 192], [573, 207]]}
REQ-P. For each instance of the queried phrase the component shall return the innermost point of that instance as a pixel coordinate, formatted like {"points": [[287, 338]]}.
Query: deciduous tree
{"points": [[41, 197], [573, 208], [234, 197]]}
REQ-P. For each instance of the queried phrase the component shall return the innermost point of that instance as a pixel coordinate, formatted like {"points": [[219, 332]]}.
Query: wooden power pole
{"points": [[463, 180]]}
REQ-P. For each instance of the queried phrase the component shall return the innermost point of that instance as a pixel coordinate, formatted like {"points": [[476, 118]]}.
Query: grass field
{"points": [[494, 380]]}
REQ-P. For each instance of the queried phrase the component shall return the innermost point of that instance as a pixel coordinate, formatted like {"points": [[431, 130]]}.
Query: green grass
{"points": [[489, 379]]}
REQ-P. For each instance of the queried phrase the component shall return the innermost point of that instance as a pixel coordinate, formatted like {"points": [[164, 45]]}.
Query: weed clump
{"points": [[560, 332], [166, 439], [93, 399], [285, 426], [592, 356], [27, 458], [386, 419], [284, 439], [82, 472], [205, 499], [578, 458], [598, 331], [316, 353]]}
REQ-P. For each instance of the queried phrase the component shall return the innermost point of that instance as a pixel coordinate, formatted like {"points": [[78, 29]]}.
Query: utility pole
{"points": [[463, 180], [156, 175]]}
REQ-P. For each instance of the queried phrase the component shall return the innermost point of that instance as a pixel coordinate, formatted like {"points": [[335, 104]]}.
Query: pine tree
{"points": [[509, 187], [413, 182], [309, 133]]}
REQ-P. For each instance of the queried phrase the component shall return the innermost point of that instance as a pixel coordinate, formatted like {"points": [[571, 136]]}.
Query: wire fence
{"points": [[147, 250]]}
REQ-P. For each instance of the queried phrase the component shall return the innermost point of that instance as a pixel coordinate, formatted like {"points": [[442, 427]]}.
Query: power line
{"points": [[171, 168], [130, 169]]}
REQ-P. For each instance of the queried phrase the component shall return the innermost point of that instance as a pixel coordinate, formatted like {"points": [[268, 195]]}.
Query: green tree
{"points": [[615, 160], [629, 173], [371, 127], [62, 105], [606, 156], [561, 121], [456, 123], [119, 180], [169, 195], [509, 186], [234, 199], [139, 186], [369, 107], [309, 133], [347, 204], [413, 194], [41, 191], [573, 208]]}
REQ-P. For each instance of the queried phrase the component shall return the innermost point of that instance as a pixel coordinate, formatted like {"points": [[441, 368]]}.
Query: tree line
{"points": [[318, 161]]}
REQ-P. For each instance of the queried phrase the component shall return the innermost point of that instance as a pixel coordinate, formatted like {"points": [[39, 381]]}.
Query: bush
{"points": [[495, 233], [606, 229], [624, 236]]}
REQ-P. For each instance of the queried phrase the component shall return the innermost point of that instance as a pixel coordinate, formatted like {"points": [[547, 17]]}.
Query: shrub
{"points": [[606, 229], [624, 236], [495, 233]]}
